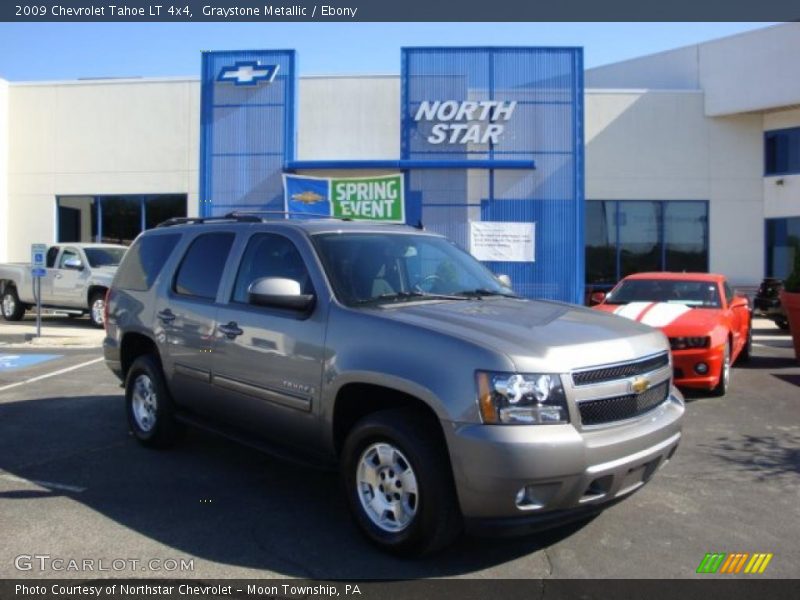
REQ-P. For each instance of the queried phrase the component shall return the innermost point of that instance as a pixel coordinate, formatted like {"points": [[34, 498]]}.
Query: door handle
{"points": [[166, 316], [231, 330], [58, 275]]}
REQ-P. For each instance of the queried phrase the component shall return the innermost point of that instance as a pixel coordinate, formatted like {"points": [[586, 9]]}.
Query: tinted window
{"points": [[144, 261], [104, 257], [270, 255], [728, 293], [52, 254], [782, 151], [201, 269]]}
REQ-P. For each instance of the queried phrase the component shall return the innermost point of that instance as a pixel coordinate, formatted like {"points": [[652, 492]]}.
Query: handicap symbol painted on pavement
{"points": [[12, 362]]}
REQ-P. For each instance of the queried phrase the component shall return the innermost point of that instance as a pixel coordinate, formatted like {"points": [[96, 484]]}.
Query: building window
{"points": [[114, 219], [783, 244], [782, 151], [631, 236]]}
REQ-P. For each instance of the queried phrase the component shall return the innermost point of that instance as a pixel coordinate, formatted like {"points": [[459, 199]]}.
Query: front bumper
{"points": [[570, 473], [684, 363]]}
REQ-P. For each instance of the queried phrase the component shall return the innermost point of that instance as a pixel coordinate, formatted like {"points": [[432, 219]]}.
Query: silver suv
{"points": [[446, 400]]}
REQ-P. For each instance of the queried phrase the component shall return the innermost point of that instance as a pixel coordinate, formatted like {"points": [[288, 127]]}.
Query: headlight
{"points": [[512, 398], [681, 343]]}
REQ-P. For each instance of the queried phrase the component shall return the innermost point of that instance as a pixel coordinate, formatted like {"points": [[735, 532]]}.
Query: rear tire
{"points": [[398, 481], [725, 374], [97, 307], [782, 324], [151, 413], [12, 308]]}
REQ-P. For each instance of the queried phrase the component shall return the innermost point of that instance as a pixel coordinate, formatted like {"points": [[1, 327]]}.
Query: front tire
{"points": [[97, 307], [725, 374], [151, 415], [12, 308], [397, 478]]}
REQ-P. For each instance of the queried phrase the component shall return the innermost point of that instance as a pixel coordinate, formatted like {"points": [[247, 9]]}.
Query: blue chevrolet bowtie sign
{"points": [[248, 73]]}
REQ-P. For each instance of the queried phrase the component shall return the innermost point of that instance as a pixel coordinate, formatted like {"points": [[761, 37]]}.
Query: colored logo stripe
{"points": [[722, 562]]}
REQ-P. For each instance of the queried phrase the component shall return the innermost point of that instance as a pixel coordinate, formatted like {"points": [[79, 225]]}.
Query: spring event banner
{"points": [[359, 198]]}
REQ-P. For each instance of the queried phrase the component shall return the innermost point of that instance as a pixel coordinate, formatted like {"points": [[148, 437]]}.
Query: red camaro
{"points": [[708, 326]]}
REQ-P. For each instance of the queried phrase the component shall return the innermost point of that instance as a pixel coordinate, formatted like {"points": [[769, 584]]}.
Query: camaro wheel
{"points": [[13, 309], [148, 404], [725, 374], [398, 482], [97, 307]]}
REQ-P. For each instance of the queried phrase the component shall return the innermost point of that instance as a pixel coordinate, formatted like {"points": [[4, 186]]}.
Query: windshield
{"points": [[104, 257], [388, 267], [703, 294]]}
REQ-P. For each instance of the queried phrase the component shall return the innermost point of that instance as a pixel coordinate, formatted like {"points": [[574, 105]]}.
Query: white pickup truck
{"points": [[77, 278]]}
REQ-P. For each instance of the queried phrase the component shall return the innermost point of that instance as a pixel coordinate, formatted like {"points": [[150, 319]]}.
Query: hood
{"points": [[538, 336], [673, 319]]}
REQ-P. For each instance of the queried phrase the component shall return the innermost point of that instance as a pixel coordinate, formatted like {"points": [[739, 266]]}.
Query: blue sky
{"points": [[40, 51]]}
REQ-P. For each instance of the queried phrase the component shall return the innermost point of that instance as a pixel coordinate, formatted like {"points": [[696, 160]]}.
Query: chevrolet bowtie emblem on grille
{"points": [[248, 73], [640, 384], [308, 197]]}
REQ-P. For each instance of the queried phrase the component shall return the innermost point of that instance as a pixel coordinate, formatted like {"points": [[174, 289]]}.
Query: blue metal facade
{"points": [[546, 127], [247, 131], [534, 173]]}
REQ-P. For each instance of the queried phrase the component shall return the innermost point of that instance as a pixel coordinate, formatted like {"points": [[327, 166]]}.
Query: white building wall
{"points": [[4, 118], [659, 145], [782, 192], [346, 118], [672, 70], [97, 137]]}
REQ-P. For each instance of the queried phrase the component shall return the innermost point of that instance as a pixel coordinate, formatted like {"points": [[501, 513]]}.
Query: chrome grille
{"points": [[619, 408], [621, 371]]}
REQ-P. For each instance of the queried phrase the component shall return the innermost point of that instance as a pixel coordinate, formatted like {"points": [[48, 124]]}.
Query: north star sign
{"points": [[248, 73], [466, 122]]}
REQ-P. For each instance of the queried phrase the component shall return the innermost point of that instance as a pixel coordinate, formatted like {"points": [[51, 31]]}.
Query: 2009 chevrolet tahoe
{"points": [[446, 400]]}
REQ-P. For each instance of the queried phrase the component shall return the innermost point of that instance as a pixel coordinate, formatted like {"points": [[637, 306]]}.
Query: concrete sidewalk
{"points": [[57, 331]]}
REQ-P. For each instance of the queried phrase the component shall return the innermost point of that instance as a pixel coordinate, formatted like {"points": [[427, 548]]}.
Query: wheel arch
{"points": [[132, 346]]}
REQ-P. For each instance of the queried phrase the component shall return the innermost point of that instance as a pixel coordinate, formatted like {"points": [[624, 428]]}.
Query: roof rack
{"points": [[283, 213], [197, 220]]}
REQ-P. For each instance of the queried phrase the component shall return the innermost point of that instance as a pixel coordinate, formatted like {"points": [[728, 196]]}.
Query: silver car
{"points": [[447, 401]]}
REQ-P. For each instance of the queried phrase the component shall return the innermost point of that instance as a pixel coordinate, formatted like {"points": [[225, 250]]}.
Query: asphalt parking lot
{"points": [[74, 484]]}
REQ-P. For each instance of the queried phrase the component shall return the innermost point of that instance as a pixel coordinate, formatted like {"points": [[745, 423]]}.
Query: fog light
{"points": [[701, 368], [520, 499], [536, 497]]}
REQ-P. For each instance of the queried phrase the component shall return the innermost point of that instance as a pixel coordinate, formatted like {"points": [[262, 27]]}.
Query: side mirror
{"points": [[278, 292], [73, 263], [504, 279], [597, 297]]}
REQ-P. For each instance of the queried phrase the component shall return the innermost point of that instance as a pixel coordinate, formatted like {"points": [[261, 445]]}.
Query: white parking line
{"points": [[51, 374], [45, 484]]}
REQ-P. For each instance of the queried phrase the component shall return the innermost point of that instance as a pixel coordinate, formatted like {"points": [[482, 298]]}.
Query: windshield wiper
{"points": [[485, 292], [408, 296]]}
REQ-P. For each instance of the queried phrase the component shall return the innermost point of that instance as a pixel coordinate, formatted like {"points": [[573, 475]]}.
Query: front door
{"points": [[68, 287], [267, 362]]}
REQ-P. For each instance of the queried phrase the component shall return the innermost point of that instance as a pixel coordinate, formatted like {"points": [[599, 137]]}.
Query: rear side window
{"points": [[143, 262], [52, 253], [202, 266]]}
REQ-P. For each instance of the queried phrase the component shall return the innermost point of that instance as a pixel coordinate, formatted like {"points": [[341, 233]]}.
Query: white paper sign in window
{"points": [[502, 242]]}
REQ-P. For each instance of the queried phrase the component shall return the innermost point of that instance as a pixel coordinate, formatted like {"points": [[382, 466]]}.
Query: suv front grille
{"points": [[622, 371], [619, 408]]}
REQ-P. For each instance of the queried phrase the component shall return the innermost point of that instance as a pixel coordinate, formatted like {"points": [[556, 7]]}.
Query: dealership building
{"points": [[684, 160]]}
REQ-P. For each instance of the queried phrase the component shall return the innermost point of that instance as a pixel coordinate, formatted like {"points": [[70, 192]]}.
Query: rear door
{"points": [[185, 316], [69, 283], [267, 362]]}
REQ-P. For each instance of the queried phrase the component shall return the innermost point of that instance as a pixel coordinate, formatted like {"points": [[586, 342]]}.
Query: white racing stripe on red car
{"points": [[633, 310], [662, 314]]}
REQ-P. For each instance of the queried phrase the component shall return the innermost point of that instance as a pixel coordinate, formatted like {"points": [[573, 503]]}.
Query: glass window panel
{"points": [[782, 151], [77, 219], [270, 255], [783, 243], [685, 226], [122, 219], [639, 239], [162, 207], [144, 261], [601, 243]]}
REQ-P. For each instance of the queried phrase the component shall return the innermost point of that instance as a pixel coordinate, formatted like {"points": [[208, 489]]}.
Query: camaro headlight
{"points": [[681, 343], [526, 399]]}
